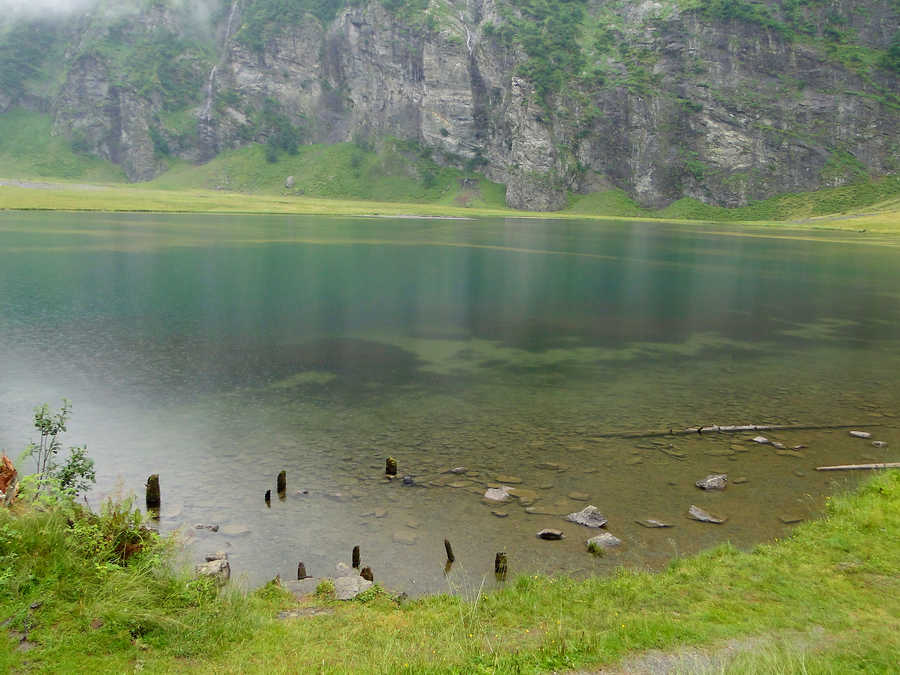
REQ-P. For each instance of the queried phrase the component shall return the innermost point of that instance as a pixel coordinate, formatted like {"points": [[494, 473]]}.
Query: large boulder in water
{"points": [[589, 516]]}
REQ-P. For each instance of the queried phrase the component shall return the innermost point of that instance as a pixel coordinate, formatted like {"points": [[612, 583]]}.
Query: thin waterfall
{"points": [[207, 129]]}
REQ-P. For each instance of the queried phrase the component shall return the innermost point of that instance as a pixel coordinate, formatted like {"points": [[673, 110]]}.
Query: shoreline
{"points": [[820, 599], [23, 195]]}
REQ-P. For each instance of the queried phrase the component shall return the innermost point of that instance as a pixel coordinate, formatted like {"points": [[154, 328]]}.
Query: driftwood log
{"points": [[850, 467], [726, 429]]}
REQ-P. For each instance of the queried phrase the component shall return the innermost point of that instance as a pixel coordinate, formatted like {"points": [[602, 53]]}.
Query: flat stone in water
{"points": [[603, 541], [789, 453], [713, 482], [879, 444], [790, 520], [498, 494], [500, 514], [512, 480], [589, 516], [740, 480], [235, 530], [777, 445], [405, 538], [761, 439], [550, 534], [539, 511], [860, 434], [631, 461], [697, 513], [652, 523], [380, 513], [579, 496], [545, 486], [459, 484], [553, 466], [719, 452]]}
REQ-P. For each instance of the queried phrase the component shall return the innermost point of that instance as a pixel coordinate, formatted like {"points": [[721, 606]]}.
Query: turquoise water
{"points": [[219, 350]]}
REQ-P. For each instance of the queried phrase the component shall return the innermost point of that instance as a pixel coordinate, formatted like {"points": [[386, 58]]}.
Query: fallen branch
{"points": [[728, 429], [848, 467]]}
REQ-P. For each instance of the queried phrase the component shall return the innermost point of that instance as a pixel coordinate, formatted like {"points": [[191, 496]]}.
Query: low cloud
{"points": [[44, 8]]}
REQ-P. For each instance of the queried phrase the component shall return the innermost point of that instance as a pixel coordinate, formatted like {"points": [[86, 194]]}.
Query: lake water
{"points": [[219, 350]]}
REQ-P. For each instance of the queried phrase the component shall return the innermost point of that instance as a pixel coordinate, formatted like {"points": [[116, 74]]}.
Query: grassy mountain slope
{"points": [[28, 150]]}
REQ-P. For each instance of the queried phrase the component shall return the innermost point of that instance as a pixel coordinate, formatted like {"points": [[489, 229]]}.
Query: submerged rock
{"points": [[790, 519], [715, 481], [206, 526], [651, 523], [697, 513], [589, 516], [860, 434], [503, 478], [602, 542], [405, 538], [761, 439], [550, 534], [579, 496], [235, 530], [218, 555], [500, 514], [497, 494], [879, 444]]}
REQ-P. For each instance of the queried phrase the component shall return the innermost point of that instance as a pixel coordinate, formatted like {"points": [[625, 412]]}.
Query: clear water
{"points": [[219, 350]]}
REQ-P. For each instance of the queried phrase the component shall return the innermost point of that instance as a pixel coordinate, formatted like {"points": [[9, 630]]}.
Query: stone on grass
{"points": [[589, 516], [218, 570], [347, 588]]}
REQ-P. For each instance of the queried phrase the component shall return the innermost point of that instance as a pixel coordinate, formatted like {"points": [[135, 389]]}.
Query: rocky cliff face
{"points": [[684, 103]]}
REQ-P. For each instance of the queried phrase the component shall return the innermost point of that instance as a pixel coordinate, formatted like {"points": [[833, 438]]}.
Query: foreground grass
{"points": [[825, 600]]}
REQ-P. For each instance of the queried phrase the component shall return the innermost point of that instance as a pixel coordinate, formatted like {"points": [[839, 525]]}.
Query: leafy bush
{"points": [[76, 473]]}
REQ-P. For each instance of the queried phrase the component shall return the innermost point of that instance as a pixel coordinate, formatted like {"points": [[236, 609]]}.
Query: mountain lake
{"points": [[218, 350]]}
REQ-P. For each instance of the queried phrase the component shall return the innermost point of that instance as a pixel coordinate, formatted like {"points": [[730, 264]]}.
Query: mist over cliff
{"points": [[725, 101]]}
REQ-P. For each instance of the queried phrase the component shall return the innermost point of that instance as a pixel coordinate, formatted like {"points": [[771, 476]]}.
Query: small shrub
{"points": [[325, 589]]}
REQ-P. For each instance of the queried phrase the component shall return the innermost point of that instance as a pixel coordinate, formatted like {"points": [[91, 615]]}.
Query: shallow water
{"points": [[218, 350]]}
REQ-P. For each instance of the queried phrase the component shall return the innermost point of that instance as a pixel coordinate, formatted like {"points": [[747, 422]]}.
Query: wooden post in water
{"points": [[281, 483], [355, 557], [268, 498], [301, 571], [390, 466], [450, 557], [500, 566], [367, 574], [153, 500]]}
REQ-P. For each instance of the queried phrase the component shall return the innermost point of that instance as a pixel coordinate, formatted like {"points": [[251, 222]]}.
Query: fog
{"points": [[199, 11]]}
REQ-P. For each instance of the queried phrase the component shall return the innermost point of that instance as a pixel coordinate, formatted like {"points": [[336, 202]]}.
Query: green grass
{"points": [[393, 173], [28, 150], [827, 599]]}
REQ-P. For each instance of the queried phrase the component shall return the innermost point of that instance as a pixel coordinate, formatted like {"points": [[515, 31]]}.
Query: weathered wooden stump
{"points": [[153, 500], [450, 557], [367, 574], [390, 466], [281, 483], [355, 558], [301, 571], [500, 566], [268, 498]]}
